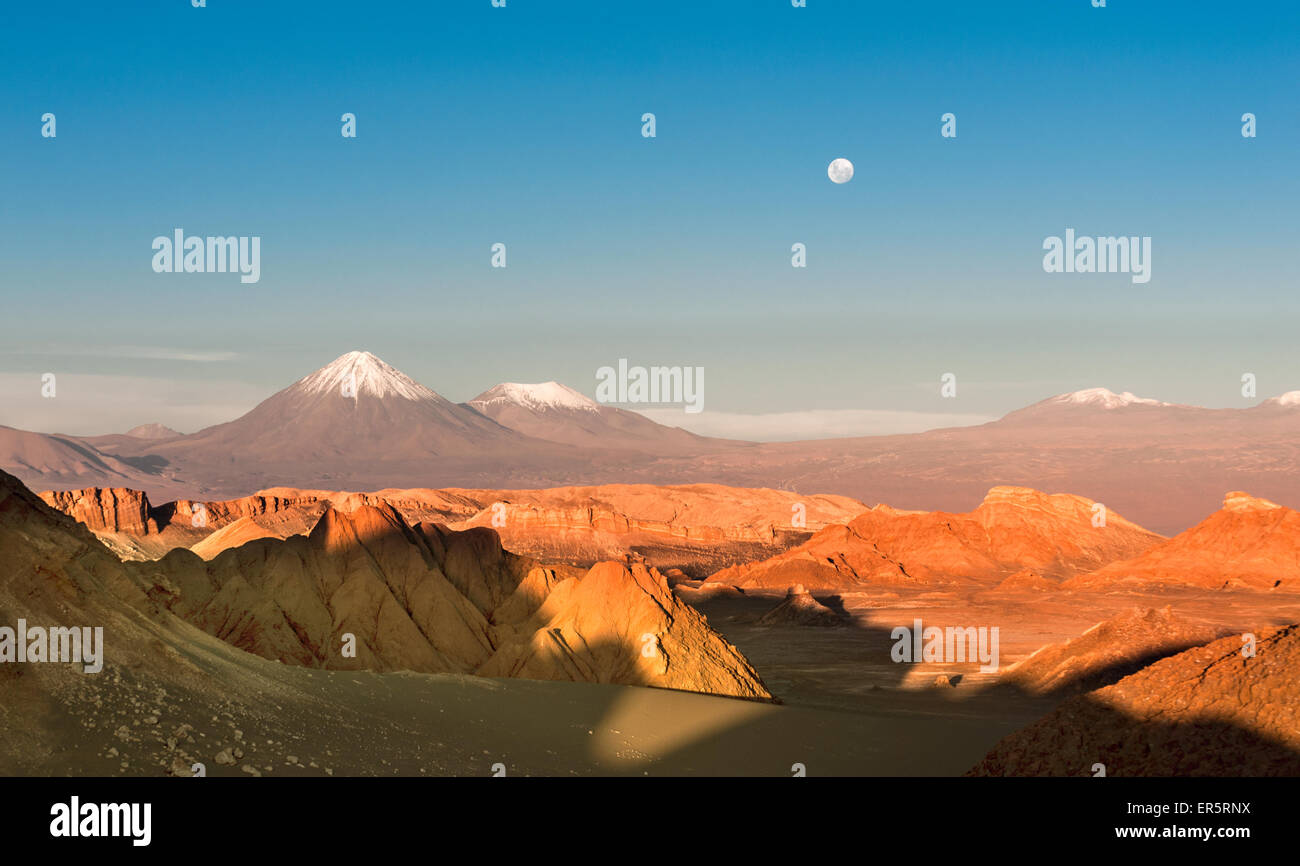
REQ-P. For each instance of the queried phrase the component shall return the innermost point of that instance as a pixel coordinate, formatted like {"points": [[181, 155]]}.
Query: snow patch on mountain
{"points": [[537, 397], [1104, 398], [371, 376], [1290, 398]]}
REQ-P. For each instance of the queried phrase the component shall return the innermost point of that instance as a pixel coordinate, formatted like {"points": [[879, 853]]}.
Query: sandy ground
{"points": [[293, 721], [850, 668], [847, 709]]}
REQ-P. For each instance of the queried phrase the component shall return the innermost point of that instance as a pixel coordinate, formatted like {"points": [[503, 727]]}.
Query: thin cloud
{"points": [[812, 423], [91, 404], [134, 353]]}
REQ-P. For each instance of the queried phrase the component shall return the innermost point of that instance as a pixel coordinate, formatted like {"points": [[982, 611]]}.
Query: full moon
{"points": [[840, 170]]}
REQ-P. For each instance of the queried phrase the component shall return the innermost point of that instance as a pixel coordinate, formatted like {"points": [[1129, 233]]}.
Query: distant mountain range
{"points": [[1163, 465], [359, 424], [557, 413]]}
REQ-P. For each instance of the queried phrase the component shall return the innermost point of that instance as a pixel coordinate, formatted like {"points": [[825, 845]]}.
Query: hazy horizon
{"points": [[114, 404], [523, 126]]}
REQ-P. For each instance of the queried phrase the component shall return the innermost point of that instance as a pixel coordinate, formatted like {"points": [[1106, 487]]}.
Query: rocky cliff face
{"points": [[1250, 543], [106, 509], [698, 528], [425, 598], [420, 598], [1208, 711], [133, 528], [219, 514], [1014, 528]]}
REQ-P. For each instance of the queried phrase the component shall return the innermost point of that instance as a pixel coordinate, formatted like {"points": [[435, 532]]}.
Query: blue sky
{"points": [[521, 125]]}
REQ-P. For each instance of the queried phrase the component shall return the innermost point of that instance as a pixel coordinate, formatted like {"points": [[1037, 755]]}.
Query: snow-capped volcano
{"points": [[558, 413], [1103, 398], [361, 373], [359, 423], [539, 397], [1107, 400], [356, 411], [1290, 399], [1095, 406]]}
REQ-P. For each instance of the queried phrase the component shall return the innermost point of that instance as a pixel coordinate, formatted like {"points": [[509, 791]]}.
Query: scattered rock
{"points": [[800, 608]]}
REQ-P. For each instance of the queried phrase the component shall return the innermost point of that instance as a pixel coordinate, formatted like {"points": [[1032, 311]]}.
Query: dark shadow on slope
{"points": [[162, 515], [1084, 732], [431, 600], [546, 727], [1096, 678], [835, 603], [87, 452], [151, 464], [1068, 742], [934, 731], [1061, 735]]}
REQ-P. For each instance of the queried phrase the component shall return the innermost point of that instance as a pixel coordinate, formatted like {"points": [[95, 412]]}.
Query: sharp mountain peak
{"points": [[362, 373]]}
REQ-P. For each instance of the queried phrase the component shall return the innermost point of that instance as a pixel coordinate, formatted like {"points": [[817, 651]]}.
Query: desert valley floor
{"points": [[643, 630]]}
